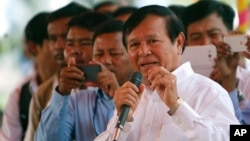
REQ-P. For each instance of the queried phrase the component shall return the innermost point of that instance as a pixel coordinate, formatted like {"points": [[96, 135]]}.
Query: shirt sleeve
{"points": [[56, 121], [245, 109], [209, 124], [234, 97], [108, 134], [11, 127]]}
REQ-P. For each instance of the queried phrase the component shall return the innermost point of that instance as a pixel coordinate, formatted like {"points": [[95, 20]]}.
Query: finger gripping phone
{"points": [[90, 72]]}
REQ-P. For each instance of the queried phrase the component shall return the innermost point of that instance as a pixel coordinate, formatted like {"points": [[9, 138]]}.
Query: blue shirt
{"points": [[82, 116], [238, 113], [246, 113]]}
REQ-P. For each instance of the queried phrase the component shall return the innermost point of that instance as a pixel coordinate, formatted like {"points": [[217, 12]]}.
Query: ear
{"points": [[180, 41], [32, 48]]}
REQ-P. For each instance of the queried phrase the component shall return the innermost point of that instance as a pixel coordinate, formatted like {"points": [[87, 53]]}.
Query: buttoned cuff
{"points": [[185, 116]]}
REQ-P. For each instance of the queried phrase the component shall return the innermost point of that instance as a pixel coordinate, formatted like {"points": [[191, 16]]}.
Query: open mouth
{"points": [[148, 65]]}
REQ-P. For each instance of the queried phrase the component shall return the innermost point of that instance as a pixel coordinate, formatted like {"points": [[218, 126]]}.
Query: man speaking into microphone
{"points": [[173, 102]]}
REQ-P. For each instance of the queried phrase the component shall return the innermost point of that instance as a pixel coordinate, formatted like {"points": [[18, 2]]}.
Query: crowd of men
{"points": [[58, 102]]}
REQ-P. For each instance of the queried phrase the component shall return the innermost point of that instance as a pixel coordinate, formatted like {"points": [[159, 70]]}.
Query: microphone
{"points": [[135, 79]]}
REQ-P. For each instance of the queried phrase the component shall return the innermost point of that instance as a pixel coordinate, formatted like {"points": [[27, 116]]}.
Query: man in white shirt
{"points": [[208, 27], [173, 102]]}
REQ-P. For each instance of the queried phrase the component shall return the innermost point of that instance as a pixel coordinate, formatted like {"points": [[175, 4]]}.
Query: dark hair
{"points": [[70, 10], [89, 20], [177, 9], [108, 27], [104, 3], [204, 8], [36, 28], [174, 25], [124, 10]]}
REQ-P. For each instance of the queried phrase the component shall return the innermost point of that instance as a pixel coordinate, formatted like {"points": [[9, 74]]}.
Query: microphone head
{"points": [[136, 78]]}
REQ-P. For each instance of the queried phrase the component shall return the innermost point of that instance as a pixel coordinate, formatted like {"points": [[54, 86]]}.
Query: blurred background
{"points": [[14, 14]]}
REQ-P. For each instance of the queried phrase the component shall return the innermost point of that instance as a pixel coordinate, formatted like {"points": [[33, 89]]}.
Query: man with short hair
{"points": [[172, 102], [57, 30], [213, 21], [106, 7], [84, 112], [123, 13], [15, 119]]}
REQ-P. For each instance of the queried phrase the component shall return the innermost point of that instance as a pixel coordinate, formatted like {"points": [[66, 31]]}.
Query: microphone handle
{"points": [[122, 118], [136, 80]]}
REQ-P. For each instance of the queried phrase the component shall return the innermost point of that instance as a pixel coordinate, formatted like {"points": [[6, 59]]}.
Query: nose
{"points": [[206, 41], [144, 50], [106, 59], [60, 43], [76, 50]]}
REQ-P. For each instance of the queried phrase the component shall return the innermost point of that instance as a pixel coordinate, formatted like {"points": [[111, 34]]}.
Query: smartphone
{"points": [[237, 43], [90, 72], [201, 58]]}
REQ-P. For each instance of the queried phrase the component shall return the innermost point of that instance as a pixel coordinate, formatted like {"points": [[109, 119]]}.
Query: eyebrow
{"points": [[146, 36], [79, 39], [151, 36], [55, 35], [194, 34], [214, 29]]}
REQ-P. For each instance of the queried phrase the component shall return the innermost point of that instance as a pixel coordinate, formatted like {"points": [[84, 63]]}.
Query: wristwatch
{"points": [[175, 107]]}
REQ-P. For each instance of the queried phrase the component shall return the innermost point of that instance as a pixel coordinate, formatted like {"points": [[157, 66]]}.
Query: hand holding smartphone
{"points": [[90, 72], [237, 43]]}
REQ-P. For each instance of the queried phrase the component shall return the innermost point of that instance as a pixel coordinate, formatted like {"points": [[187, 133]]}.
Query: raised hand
{"points": [[226, 65], [70, 78], [165, 84], [107, 81]]}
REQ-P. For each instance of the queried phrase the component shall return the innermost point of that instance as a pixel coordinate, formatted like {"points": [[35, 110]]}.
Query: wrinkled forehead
{"points": [[150, 26], [109, 41], [212, 21]]}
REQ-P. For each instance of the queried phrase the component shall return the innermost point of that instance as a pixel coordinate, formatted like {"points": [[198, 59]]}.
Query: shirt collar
{"points": [[33, 85], [102, 94]]}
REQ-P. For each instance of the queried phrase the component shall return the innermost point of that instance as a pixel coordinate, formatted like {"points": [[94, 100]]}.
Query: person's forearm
{"points": [[52, 125], [229, 82]]}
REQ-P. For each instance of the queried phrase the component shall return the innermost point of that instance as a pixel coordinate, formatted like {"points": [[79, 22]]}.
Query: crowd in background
{"points": [[55, 102]]}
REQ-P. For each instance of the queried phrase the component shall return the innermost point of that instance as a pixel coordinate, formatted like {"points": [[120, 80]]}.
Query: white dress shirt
{"points": [[11, 128], [243, 75], [247, 64], [205, 114]]}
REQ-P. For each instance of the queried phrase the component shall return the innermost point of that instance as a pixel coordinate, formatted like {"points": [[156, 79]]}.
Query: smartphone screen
{"points": [[90, 72]]}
